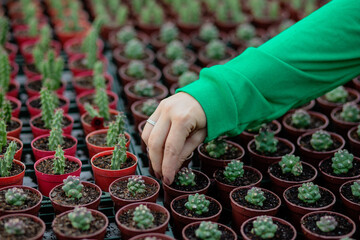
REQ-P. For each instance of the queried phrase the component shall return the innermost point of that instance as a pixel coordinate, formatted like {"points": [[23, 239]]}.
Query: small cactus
{"points": [[187, 78], [143, 217], [119, 154], [51, 69], [5, 112], [56, 138], [15, 226], [126, 34], [234, 170], [45, 39], [5, 71], [15, 196], [190, 12], [327, 223], [91, 110], [3, 139], [264, 227], [102, 102], [4, 29], [149, 107], [175, 50], [208, 231], [215, 50], [136, 185], [342, 161], [134, 49], [99, 79], [197, 203], [179, 66], [300, 119], [152, 13], [355, 188], [245, 32], [350, 112], [59, 161], [321, 140], [266, 142], [168, 32], [7, 160], [122, 14], [216, 148], [80, 218], [144, 88], [255, 196], [291, 164], [338, 95], [33, 27], [208, 32], [185, 177], [136, 69], [229, 11], [309, 192], [115, 129], [47, 106], [72, 187]]}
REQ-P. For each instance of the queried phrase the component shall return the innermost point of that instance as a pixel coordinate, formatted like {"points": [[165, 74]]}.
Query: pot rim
{"points": [[48, 135], [245, 168], [287, 142], [70, 158], [222, 160], [100, 131], [337, 177], [333, 135], [109, 152], [219, 224], [311, 113]]}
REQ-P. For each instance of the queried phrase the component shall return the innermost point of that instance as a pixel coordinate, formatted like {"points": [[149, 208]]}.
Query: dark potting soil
{"points": [[15, 170], [120, 190], [325, 200], [282, 150], [354, 171], [343, 227], [338, 117], [232, 152], [13, 105], [126, 218], [87, 82], [12, 126], [98, 140], [89, 194], [346, 191], [307, 173], [31, 200], [179, 207], [249, 177], [315, 122], [31, 229], [90, 99], [43, 143], [39, 123], [88, 119], [36, 85], [271, 126], [355, 136], [305, 142], [12, 87], [47, 166], [76, 48], [79, 64], [32, 68], [63, 225], [36, 103], [104, 162], [200, 180], [3, 150], [270, 202], [225, 233], [283, 232]]}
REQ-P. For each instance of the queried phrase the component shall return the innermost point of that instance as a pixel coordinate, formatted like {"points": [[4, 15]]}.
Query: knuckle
{"points": [[170, 150]]}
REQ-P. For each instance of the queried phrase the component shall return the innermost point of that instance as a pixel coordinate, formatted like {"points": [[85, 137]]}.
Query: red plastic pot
{"points": [[160, 90], [14, 73], [354, 142], [137, 114], [158, 236], [221, 227], [15, 91], [69, 46], [38, 154], [78, 57], [14, 180], [36, 111], [27, 49], [104, 177], [96, 235], [64, 36], [12, 50], [93, 149], [40, 131], [15, 111], [31, 92], [80, 89], [46, 182], [16, 132], [29, 72], [153, 72], [18, 153], [22, 38], [352, 209], [112, 104], [88, 128], [127, 233], [32, 210]]}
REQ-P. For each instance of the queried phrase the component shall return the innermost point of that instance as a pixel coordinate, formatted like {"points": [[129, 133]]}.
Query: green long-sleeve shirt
{"points": [[305, 61]]}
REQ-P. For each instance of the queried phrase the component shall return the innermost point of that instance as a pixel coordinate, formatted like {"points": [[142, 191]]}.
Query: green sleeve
{"points": [[309, 59]]}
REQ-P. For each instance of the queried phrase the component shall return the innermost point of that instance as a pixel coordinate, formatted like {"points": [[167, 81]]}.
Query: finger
{"points": [[148, 127]]}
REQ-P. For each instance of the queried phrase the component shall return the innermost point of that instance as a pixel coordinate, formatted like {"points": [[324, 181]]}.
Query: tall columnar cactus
{"points": [[51, 70], [291, 164], [216, 50], [33, 27], [3, 139], [321, 140], [234, 170], [187, 78], [134, 49], [5, 70], [56, 138], [59, 161], [45, 39], [136, 185], [208, 231], [73, 187], [229, 11], [185, 177], [168, 32], [101, 100], [216, 148], [327, 223], [152, 13], [126, 34], [80, 218], [350, 112], [90, 48], [255, 196], [197, 203], [190, 12], [338, 95], [5, 112], [179, 66], [355, 188], [149, 107], [175, 50], [264, 227], [7, 160], [342, 162], [72, 23], [119, 155], [4, 29], [266, 142], [300, 119], [144, 88], [143, 217], [245, 32], [208, 32], [116, 128], [136, 69], [15, 226], [47, 107], [15, 196], [121, 15], [99, 79], [309, 193], [91, 110]]}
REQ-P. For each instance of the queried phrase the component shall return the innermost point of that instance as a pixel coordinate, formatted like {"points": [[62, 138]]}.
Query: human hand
{"points": [[180, 127]]}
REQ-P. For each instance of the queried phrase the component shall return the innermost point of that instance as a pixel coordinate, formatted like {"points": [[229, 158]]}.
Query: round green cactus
{"points": [[350, 112], [291, 164], [327, 223], [15, 196], [168, 32], [73, 187], [255, 196], [15, 226], [144, 88], [321, 140], [309, 193], [149, 107], [208, 231], [245, 32], [187, 78], [152, 13], [80, 218], [266, 142], [264, 227], [134, 49], [300, 119], [179, 66], [197, 203], [143, 217], [190, 12], [185, 177], [136, 69], [342, 161], [136, 185], [234, 170], [215, 50], [175, 50], [126, 34], [208, 32], [216, 148], [229, 11], [355, 189], [338, 95]]}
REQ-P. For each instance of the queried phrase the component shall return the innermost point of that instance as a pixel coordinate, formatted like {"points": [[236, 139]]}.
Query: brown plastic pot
{"points": [[221, 227], [170, 79], [352, 209], [114, 43], [140, 130], [16, 132], [127, 233], [161, 92], [64, 36], [81, 107], [205, 61], [147, 28], [189, 57], [188, 29], [120, 59], [197, 43], [342, 127], [353, 141], [158, 44], [14, 180], [137, 114], [154, 74], [88, 128], [158, 236]]}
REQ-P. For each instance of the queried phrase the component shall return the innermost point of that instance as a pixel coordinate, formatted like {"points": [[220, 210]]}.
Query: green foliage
{"points": [[15, 196], [5, 71], [350, 112], [187, 78], [175, 50], [266, 142], [72, 187], [55, 138], [47, 106], [152, 13], [59, 161], [168, 32], [3, 139], [91, 110], [342, 162], [255, 196], [116, 128], [72, 23], [4, 29], [136, 185], [309, 192], [190, 12], [51, 69], [179, 66], [102, 102], [134, 49], [90, 48], [208, 231], [234, 170], [321, 140], [149, 107], [185, 177], [355, 188], [80, 218], [144, 88], [245, 32], [197, 203], [143, 217], [45, 39], [122, 14], [119, 154], [216, 148], [291, 164], [208, 32], [300, 119], [33, 27], [5, 111], [126, 34], [137, 5], [99, 79], [7, 160], [14, 226], [229, 11], [215, 50], [338, 95], [264, 8], [264, 227], [136, 69], [327, 223]]}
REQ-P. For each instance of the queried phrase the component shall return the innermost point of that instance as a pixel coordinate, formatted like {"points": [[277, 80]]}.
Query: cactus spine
{"points": [[119, 154], [7, 160], [56, 138], [59, 161]]}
